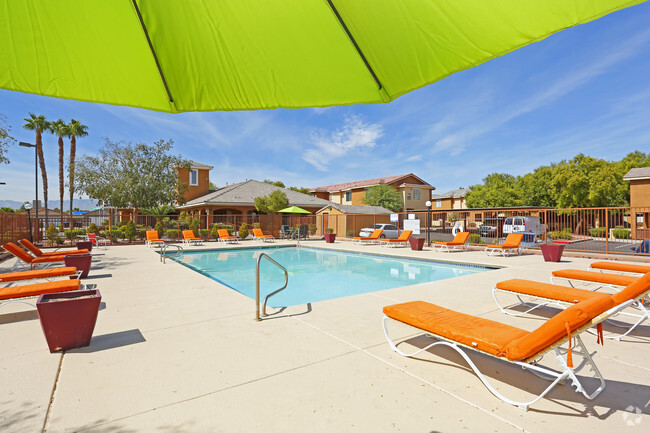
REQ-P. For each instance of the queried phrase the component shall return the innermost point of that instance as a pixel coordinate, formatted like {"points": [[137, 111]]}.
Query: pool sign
{"points": [[394, 218], [413, 225]]}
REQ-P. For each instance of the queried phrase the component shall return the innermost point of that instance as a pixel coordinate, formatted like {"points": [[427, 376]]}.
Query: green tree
{"points": [[384, 195], [60, 129], [302, 190], [39, 124], [129, 231], [498, 190], [538, 188], [132, 176], [163, 209], [7, 209], [271, 203], [276, 183], [75, 129], [212, 186], [5, 139]]}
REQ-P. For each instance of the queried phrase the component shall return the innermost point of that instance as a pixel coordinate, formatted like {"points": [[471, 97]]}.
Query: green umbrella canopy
{"points": [[205, 55], [293, 209]]}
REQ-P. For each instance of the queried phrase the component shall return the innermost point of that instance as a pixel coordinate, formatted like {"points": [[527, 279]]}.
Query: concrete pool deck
{"points": [[176, 351]]}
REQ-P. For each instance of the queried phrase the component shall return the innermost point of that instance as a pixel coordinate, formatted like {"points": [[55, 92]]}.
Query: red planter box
{"points": [[552, 253], [68, 318], [329, 237], [85, 245], [417, 243], [79, 261]]}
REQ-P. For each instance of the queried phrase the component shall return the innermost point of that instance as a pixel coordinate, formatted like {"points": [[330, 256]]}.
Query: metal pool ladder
{"points": [[257, 285], [163, 251]]}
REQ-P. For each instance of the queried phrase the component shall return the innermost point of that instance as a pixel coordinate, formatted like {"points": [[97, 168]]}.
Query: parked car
{"points": [[524, 224], [390, 231], [491, 227]]}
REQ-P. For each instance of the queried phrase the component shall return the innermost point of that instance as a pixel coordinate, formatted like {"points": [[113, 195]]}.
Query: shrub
{"points": [[159, 229], [329, 230], [475, 238], [622, 233], [74, 234], [312, 229], [172, 233], [256, 225], [349, 234], [117, 234], [141, 233], [598, 232], [129, 231], [559, 235], [93, 228], [243, 231], [52, 234], [204, 234], [194, 226]]}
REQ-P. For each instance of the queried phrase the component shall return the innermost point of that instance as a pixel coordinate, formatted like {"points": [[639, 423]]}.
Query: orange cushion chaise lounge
{"points": [[620, 267], [64, 271], [189, 238], [372, 239], [458, 243], [463, 333], [17, 293], [224, 236], [24, 259], [259, 235], [511, 244], [38, 253], [402, 240], [153, 239], [602, 278], [561, 296]]}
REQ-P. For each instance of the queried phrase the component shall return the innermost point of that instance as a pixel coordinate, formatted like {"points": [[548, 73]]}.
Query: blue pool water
{"points": [[316, 274]]}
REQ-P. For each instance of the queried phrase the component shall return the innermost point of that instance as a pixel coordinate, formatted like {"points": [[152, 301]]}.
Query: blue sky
{"points": [[583, 90]]}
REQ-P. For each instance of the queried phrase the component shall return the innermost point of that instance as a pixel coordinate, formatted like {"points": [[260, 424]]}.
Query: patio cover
{"points": [[205, 55]]}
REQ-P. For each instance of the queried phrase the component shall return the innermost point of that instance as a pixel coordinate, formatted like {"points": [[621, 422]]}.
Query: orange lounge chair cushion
{"points": [[459, 239], [596, 277], [44, 273], [555, 328], [634, 291], [38, 253], [403, 237], [549, 291], [223, 234], [188, 235], [512, 241], [260, 234], [621, 267], [494, 337], [26, 257], [374, 236], [39, 289], [483, 334], [152, 236]]}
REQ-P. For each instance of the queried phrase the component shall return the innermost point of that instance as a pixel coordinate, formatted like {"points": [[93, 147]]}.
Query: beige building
{"points": [[640, 201], [454, 199], [197, 179], [414, 191]]}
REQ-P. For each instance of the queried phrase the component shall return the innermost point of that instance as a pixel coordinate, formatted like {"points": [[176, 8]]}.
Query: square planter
{"points": [[68, 318], [79, 261], [417, 243], [552, 252], [329, 237], [85, 245]]}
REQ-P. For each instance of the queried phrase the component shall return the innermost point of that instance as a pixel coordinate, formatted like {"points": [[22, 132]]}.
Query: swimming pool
{"points": [[316, 274]]}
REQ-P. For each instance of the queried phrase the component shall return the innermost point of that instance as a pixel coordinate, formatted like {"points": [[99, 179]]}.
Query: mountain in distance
{"points": [[83, 204]]}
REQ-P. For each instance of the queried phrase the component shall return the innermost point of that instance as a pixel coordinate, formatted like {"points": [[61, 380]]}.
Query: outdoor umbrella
{"points": [[205, 55], [293, 209]]}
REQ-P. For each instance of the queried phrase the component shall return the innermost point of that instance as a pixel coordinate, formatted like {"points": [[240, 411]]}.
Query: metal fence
{"points": [[612, 230]]}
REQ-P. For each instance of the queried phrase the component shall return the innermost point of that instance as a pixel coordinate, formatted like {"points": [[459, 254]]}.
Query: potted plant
{"points": [[551, 251], [329, 235], [68, 318]]}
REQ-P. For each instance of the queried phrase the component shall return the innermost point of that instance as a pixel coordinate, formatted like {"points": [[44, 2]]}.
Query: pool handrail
{"points": [[257, 285]]}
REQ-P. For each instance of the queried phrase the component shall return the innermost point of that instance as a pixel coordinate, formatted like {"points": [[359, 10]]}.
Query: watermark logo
{"points": [[632, 416]]}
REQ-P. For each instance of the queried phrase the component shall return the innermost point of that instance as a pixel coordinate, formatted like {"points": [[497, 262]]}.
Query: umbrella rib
{"points": [[153, 52], [356, 46]]}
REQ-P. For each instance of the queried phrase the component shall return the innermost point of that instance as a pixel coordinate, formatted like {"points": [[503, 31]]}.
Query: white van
{"points": [[524, 224]]}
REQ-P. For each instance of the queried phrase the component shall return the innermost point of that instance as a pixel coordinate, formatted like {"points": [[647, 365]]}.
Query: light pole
{"points": [[428, 205], [28, 207], [23, 144]]}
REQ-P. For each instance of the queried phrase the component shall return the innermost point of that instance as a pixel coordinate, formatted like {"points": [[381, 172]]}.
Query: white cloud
{"points": [[353, 137]]}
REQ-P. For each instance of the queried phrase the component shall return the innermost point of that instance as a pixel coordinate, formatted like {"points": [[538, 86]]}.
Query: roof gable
{"points": [[365, 183]]}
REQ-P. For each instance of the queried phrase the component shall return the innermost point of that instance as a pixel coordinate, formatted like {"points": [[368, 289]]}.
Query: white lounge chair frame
{"points": [[229, 241], [193, 242], [155, 243], [557, 377], [441, 247], [505, 252], [590, 285], [24, 300], [636, 303]]}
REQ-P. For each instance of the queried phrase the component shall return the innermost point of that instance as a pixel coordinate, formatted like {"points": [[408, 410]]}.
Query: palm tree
{"points": [[60, 129], [39, 124], [75, 129]]}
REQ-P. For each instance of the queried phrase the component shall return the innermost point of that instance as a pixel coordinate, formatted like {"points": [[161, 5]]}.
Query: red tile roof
{"points": [[362, 183]]}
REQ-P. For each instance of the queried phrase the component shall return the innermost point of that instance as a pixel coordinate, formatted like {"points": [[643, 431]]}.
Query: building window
{"points": [[348, 196], [194, 177], [408, 195], [416, 193], [438, 203]]}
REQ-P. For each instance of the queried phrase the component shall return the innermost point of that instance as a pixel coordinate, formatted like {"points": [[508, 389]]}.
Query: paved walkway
{"points": [[174, 351]]}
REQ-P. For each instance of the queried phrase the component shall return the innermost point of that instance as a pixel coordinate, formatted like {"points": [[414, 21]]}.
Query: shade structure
{"points": [[205, 55], [293, 209]]}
